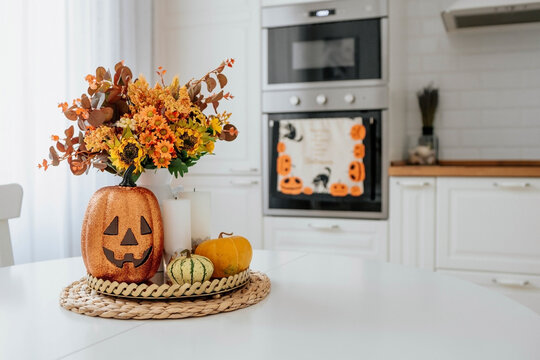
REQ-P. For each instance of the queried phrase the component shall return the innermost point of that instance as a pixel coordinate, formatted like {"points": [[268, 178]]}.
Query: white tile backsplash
{"points": [[489, 81]]}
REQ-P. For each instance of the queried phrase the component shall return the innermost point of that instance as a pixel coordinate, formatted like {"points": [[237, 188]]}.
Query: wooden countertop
{"points": [[469, 168]]}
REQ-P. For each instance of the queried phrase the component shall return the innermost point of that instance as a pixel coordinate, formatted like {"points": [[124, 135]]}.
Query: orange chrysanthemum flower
{"points": [[157, 121], [164, 132], [164, 147], [161, 160], [147, 138]]}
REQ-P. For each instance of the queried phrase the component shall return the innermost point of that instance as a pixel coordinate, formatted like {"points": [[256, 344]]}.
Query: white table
{"points": [[320, 307]]}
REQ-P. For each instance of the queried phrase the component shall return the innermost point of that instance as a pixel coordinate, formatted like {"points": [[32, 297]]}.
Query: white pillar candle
{"points": [[201, 212], [176, 216]]}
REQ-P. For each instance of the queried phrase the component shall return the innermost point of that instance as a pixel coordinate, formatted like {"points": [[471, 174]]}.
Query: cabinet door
{"points": [[412, 221], [193, 37], [236, 204], [365, 238], [489, 224]]}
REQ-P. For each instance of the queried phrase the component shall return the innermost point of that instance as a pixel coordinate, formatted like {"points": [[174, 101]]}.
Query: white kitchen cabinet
{"points": [[192, 37], [412, 221], [365, 238], [488, 224], [236, 204]]}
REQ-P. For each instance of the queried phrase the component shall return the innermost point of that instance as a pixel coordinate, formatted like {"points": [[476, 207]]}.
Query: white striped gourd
{"points": [[188, 268]]}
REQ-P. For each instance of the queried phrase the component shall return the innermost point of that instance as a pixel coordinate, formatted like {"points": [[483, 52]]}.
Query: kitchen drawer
{"points": [[522, 288], [365, 238], [488, 224]]}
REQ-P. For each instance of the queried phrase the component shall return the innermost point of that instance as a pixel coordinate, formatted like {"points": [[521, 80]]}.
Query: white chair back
{"points": [[10, 207]]}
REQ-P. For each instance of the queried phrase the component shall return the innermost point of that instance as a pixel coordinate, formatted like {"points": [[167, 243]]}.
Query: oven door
{"points": [[300, 179]]}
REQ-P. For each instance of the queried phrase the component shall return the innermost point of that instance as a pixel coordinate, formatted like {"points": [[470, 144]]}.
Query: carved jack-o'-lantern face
{"points": [[283, 166], [358, 132], [356, 171], [281, 147], [122, 234], [291, 185], [339, 189], [356, 190], [359, 151]]}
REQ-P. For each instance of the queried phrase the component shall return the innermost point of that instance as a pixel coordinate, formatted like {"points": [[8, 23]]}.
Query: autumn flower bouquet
{"points": [[123, 122]]}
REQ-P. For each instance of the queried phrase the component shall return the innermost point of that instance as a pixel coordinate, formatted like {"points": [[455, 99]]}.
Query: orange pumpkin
{"points": [[122, 233], [339, 189], [283, 166], [358, 132], [281, 147], [356, 171], [308, 190], [230, 255], [359, 151], [291, 185], [356, 190]]}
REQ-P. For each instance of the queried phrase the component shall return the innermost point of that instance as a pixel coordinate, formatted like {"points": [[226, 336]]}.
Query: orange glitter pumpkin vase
{"points": [[122, 233]]}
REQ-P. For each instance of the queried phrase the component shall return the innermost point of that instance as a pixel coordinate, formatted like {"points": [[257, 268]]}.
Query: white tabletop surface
{"points": [[320, 307]]}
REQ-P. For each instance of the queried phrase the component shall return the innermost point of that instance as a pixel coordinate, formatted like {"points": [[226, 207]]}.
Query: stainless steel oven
{"points": [[333, 43], [325, 104]]}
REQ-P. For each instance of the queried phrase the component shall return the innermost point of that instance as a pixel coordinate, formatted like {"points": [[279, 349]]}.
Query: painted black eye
{"points": [[112, 229], [287, 180], [145, 228], [297, 181]]}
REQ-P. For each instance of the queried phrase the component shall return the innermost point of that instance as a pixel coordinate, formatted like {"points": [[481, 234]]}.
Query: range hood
{"points": [[475, 13]]}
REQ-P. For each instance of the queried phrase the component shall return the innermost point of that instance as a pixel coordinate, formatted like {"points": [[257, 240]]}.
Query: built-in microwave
{"points": [[333, 43]]}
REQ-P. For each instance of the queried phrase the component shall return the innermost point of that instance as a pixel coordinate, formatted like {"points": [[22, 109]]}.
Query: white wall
{"points": [[489, 82]]}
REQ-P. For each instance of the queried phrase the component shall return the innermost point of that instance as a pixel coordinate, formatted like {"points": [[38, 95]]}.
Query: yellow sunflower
{"points": [[189, 140], [125, 153]]}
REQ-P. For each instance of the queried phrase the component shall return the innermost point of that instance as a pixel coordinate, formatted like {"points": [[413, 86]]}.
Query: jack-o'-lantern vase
{"points": [[122, 233]]}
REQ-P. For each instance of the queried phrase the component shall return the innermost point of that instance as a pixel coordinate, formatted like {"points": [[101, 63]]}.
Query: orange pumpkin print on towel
{"points": [[291, 185], [307, 191], [359, 151], [356, 190], [339, 189], [357, 171], [281, 147], [283, 166], [358, 132]]}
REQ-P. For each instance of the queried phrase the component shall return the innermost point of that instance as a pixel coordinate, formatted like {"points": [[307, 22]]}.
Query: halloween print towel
{"points": [[321, 156]]}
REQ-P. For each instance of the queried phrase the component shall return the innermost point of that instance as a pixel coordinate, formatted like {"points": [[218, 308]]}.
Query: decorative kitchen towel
{"points": [[321, 156]]}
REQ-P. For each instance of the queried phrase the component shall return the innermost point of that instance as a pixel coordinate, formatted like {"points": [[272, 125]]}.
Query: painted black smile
{"points": [[128, 258]]}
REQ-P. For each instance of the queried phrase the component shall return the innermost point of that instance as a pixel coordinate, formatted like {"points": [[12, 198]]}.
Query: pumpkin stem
{"points": [[127, 181], [221, 234], [186, 252]]}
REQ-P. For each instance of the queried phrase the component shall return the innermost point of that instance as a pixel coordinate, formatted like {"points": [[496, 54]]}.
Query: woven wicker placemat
{"points": [[79, 298]]}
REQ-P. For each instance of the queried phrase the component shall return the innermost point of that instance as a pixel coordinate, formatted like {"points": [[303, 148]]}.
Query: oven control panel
{"points": [[329, 99]]}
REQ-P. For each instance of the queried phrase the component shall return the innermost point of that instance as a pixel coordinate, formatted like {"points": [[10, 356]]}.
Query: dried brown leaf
{"points": [[81, 124], [54, 156], [210, 84], [69, 132], [96, 118], [60, 147], [100, 73], [222, 80], [71, 114], [85, 102]]}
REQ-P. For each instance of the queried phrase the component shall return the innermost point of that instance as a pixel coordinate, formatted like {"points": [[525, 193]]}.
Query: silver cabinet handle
{"points": [[244, 171], [413, 183], [323, 227], [244, 182], [510, 282], [512, 184]]}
